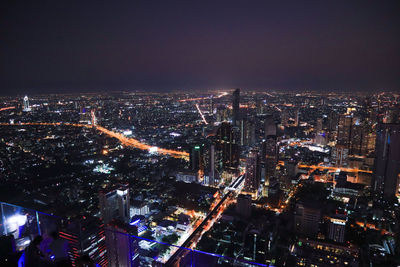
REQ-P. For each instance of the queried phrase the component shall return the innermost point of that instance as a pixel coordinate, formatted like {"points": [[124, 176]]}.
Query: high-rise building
{"points": [[259, 107], [344, 131], [270, 155], [122, 244], [225, 141], [26, 106], [318, 128], [343, 140], [307, 218], [269, 126], [253, 172], [336, 228], [93, 118], [114, 203], [196, 155], [243, 205], [86, 236], [212, 163], [296, 117], [387, 161], [236, 107], [285, 116], [247, 132], [359, 139]]}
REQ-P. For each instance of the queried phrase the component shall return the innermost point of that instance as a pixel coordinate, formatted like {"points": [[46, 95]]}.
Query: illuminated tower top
{"points": [[26, 104]]}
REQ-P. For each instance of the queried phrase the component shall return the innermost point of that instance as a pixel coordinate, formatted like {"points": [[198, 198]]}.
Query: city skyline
{"points": [[200, 134]]}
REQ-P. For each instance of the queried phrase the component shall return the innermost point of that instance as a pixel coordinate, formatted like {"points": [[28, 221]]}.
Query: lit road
{"points": [[202, 98], [332, 168], [206, 224], [131, 142], [6, 108], [201, 114], [137, 144]]}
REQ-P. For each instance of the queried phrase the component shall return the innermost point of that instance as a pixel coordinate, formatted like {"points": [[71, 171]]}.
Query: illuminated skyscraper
{"points": [[343, 140], [226, 143], [26, 105], [270, 156], [336, 228], [253, 172], [93, 117], [247, 132], [296, 117], [236, 107], [196, 155], [387, 161], [307, 218], [269, 126], [285, 117], [344, 131], [114, 203], [122, 244], [86, 236]]}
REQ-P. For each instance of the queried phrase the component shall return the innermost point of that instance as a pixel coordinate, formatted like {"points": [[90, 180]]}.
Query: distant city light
{"points": [[153, 149]]}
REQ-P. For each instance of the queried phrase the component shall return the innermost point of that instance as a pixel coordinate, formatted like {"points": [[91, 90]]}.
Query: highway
{"points": [[332, 168], [203, 98], [6, 108], [201, 114], [204, 226], [131, 142]]}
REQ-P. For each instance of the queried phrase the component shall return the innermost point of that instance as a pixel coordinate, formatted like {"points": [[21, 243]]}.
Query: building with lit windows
{"points": [[236, 107], [122, 244], [86, 236], [253, 173], [26, 106], [387, 161], [114, 203]]}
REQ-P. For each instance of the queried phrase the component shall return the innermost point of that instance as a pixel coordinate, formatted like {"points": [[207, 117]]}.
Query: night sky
{"points": [[65, 46]]}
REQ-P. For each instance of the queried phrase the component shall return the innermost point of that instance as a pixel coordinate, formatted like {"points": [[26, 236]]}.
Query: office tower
{"points": [[236, 107], [253, 172], [333, 120], [343, 140], [212, 163], [259, 106], [93, 119], [344, 131], [225, 143], [359, 139], [296, 117], [86, 236], [269, 126], [26, 106], [114, 203], [243, 205], [387, 161], [247, 132], [212, 173], [84, 115], [122, 244], [285, 117], [196, 154], [318, 128], [307, 218], [337, 227], [270, 155]]}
